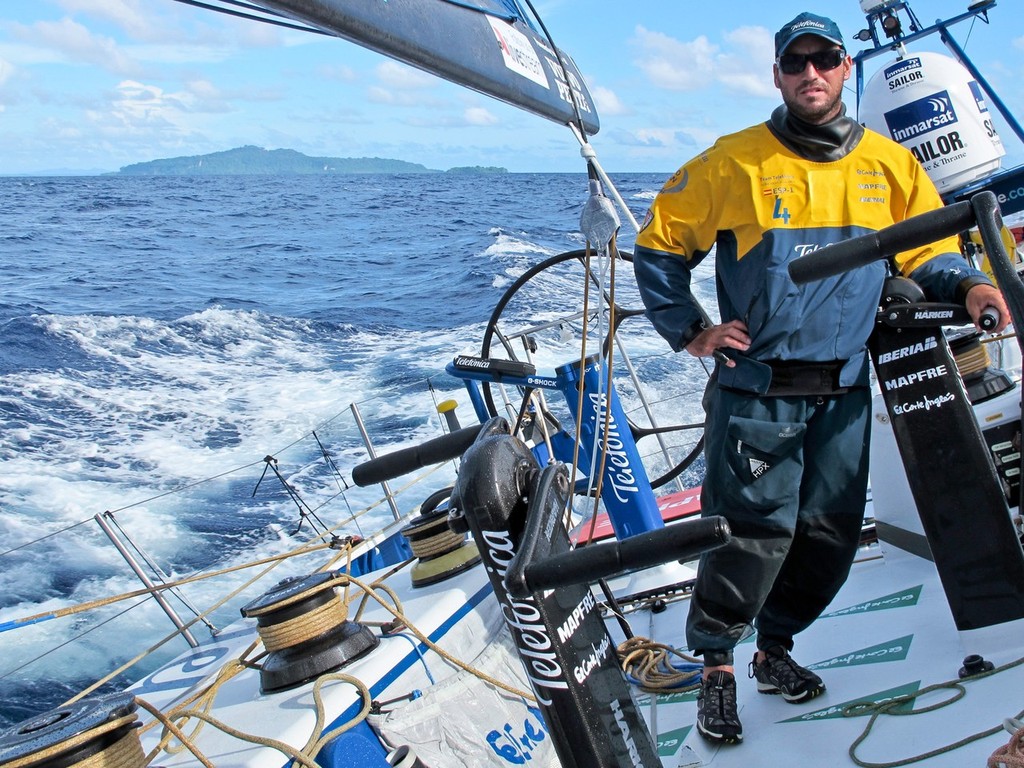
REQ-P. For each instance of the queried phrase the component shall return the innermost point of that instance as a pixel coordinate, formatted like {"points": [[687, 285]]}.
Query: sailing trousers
{"points": [[790, 475]]}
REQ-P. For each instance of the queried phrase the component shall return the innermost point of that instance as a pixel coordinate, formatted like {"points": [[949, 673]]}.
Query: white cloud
{"points": [[399, 98], [608, 102], [744, 66], [479, 116], [655, 137], [74, 43], [127, 14], [339, 72], [138, 104], [673, 64], [396, 75], [747, 66]]}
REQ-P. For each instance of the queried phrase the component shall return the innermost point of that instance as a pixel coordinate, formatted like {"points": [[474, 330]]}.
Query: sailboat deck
{"points": [[888, 633]]}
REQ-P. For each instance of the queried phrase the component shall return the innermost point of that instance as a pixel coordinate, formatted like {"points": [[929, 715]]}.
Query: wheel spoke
{"points": [[543, 319]]}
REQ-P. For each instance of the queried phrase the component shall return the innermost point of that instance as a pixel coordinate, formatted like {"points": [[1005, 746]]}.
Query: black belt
{"points": [[798, 378]]}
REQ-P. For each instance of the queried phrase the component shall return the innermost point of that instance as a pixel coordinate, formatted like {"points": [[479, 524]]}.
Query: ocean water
{"points": [[159, 332]]}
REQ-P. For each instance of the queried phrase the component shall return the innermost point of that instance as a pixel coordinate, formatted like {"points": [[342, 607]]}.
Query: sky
{"points": [[94, 85]]}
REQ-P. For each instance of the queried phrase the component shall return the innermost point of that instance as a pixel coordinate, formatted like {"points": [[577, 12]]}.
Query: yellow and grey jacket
{"points": [[758, 197]]}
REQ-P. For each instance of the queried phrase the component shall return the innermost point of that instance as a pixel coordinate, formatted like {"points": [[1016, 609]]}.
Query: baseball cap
{"points": [[807, 24]]}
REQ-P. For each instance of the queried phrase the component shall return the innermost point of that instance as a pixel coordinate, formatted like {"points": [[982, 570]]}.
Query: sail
{"points": [[485, 45]]}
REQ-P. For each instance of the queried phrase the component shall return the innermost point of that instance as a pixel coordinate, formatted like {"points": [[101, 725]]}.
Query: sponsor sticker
{"points": [[518, 52], [921, 116], [916, 377]]}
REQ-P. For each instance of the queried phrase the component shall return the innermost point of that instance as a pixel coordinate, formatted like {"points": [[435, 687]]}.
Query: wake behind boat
{"points": [[528, 606]]}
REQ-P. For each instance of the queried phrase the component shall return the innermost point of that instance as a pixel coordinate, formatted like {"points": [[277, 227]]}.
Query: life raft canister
{"points": [[932, 106]]}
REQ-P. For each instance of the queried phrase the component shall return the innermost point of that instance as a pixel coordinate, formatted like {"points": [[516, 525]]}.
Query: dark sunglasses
{"points": [[823, 61]]}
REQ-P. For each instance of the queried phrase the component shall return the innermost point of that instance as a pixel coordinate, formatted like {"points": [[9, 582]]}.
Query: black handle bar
{"points": [[677, 541], [396, 463], [858, 251], [982, 209]]}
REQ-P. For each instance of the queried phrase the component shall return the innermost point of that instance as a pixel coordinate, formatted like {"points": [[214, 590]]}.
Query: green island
{"points": [[256, 160]]}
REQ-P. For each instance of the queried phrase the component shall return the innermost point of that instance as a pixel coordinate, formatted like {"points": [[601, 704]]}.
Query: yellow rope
{"points": [[316, 545], [298, 630], [972, 360], [126, 752], [139, 657], [71, 610], [197, 707], [440, 544]]}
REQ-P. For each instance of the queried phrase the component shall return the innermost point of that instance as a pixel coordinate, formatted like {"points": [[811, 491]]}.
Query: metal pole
{"points": [[144, 578], [373, 454], [961, 56]]}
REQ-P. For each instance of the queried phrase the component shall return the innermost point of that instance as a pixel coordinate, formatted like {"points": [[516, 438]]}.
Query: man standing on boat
{"points": [[788, 406]]}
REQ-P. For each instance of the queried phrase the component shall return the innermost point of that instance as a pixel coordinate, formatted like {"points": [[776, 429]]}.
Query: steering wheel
{"points": [[541, 319]]}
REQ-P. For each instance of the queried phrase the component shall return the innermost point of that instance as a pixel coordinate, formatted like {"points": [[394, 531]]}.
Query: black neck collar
{"points": [[821, 143]]}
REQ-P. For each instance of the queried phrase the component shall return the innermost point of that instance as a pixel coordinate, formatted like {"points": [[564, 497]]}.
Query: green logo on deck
{"points": [[893, 650], [836, 710], [675, 697], [669, 743], [904, 599]]}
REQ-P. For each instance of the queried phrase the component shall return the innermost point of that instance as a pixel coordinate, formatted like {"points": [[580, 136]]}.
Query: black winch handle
{"points": [[397, 463], [858, 251], [676, 541]]}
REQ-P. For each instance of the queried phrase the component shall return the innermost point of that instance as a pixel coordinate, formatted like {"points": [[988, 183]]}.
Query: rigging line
{"points": [[253, 16], [171, 492], [216, 606], [184, 487], [969, 31], [603, 448], [315, 544], [44, 537], [304, 509], [590, 155], [565, 70], [156, 569], [197, 483], [342, 485], [148, 591], [579, 395], [76, 638]]}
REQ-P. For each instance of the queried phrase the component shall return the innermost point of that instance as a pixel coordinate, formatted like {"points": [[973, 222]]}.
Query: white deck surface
{"points": [[888, 632]]}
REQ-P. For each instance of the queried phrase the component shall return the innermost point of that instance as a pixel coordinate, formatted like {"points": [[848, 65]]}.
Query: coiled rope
{"points": [[971, 358], [438, 544], [1010, 755], [126, 752], [300, 629], [650, 666], [891, 707]]}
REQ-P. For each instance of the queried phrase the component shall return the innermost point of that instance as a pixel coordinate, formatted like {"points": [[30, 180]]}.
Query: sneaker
{"points": [[778, 673], [717, 719]]}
